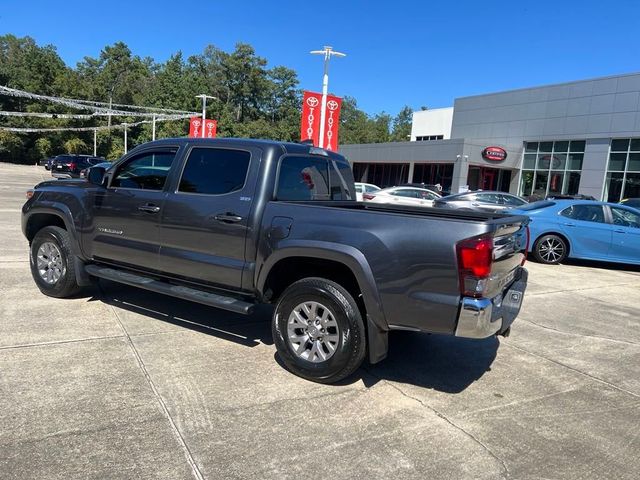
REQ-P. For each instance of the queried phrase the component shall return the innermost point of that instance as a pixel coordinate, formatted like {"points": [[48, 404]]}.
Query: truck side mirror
{"points": [[96, 175]]}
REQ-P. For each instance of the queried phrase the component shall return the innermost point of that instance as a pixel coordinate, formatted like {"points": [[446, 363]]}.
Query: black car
{"points": [[631, 202], [566, 196], [70, 166]]}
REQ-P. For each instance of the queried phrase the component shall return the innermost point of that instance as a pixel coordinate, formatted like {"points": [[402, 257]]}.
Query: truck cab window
{"points": [[147, 171], [214, 171], [303, 178]]}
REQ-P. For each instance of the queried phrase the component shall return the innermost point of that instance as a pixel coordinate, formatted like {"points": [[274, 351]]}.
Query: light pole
{"points": [[204, 108], [327, 52]]}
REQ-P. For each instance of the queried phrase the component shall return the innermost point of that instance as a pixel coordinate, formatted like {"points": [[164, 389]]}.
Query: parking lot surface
{"points": [[124, 383]]}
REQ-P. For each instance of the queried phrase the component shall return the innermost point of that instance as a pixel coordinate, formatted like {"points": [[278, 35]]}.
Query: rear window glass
{"points": [[537, 205], [303, 178]]}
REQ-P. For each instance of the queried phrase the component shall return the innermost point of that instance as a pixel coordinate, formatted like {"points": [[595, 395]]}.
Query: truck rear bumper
{"points": [[484, 317]]}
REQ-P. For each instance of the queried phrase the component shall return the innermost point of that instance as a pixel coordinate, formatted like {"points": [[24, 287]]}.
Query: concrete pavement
{"points": [[123, 383]]}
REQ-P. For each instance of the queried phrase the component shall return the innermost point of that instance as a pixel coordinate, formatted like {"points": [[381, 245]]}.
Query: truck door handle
{"points": [[570, 224], [228, 218], [149, 208]]}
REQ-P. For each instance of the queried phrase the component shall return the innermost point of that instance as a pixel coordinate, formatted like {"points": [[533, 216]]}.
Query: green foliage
{"points": [[43, 147], [251, 100], [76, 145]]}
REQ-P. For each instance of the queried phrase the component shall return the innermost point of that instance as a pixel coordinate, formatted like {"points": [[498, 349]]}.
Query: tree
{"points": [[43, 147], [75, 145], [402, 125]]}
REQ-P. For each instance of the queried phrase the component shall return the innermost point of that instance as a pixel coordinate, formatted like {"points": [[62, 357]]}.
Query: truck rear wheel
{"points": [[318, 330], [51, 262]]}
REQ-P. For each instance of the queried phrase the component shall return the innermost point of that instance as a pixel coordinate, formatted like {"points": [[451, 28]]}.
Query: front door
{"points": [[588, 230], [205, 218], [488, 179], [625, 245], [127, 213]]}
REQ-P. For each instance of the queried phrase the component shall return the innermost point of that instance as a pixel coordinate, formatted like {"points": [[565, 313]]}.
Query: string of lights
{"points": [[90, 129], [98, 108]]}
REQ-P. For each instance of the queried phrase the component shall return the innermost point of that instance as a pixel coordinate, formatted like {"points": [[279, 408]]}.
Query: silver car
{"points": [[482, 200], [403, 196]]}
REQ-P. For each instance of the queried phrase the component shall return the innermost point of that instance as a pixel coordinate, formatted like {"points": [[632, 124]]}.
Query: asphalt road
{"points": [[123, 383]]}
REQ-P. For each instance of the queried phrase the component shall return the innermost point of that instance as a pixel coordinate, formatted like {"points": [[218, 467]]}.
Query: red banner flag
{"points": [[210, 128], [195, 127], [310, 121], [332, 123]]}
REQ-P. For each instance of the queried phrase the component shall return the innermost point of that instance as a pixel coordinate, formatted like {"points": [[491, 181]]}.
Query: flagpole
{"points": [[327, 52]]}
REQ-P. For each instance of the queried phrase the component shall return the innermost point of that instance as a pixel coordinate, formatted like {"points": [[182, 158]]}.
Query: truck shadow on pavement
{"points": [[438, 362]]}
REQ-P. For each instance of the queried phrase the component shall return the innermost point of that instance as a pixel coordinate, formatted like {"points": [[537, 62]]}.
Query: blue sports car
{"points": [[602, 231]]}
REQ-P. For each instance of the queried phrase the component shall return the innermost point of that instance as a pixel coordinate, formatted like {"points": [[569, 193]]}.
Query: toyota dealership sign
{"points": [[494, 154]]}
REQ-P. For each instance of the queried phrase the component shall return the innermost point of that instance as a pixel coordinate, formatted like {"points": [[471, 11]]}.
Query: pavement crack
{"points": [[185, 448], [578, 334], [600, 380], [60, 342], [507, 473]]}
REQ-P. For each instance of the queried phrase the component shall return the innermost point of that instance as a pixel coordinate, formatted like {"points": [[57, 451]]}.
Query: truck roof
{"points": [[287, 147]]}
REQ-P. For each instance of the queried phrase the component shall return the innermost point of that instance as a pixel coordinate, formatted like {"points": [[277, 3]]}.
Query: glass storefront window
{"points": [[617, 161], [575, 161], [561, 147], [623, 170], [577, 146], [529, 161], [613, 187], [546, 146], [531, 147], [634, 162], [620, 145], [555, 183], [550, 169], [540, 186], [572, 183], [632, 185], [526, 183]]}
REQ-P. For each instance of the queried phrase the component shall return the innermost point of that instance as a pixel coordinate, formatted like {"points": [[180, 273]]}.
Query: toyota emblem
{"points": [[332, 105], [312, 102]]}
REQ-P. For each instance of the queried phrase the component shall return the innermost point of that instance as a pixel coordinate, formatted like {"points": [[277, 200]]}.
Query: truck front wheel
{"points": [[318, 330], [51, 262]]}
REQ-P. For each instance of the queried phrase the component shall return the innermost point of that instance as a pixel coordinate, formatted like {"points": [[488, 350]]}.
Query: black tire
{"points": [[66, 285], [550, 249], [350, 349]]}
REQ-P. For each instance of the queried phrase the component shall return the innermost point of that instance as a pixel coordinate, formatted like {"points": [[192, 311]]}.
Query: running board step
{"points": [[213, 300]]}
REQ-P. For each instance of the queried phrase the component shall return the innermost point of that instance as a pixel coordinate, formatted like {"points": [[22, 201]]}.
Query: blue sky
{"points": [[399, 53]]}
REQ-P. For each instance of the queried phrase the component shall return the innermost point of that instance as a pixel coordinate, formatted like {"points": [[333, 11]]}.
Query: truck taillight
{"points": [[368, 196], [72, 166], [475, 258]]}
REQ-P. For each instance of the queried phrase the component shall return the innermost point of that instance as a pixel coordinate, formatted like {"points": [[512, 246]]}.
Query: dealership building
{"points": [[578, 137]]}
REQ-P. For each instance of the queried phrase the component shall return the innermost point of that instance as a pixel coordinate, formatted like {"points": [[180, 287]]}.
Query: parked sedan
{"points": [[483, 200], [403, 196], [106, 165], [362, 188], [584, 229], [70, 166]]}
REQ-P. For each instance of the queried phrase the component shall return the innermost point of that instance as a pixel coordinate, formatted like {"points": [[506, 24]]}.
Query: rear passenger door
{"points": [[205, 218]]}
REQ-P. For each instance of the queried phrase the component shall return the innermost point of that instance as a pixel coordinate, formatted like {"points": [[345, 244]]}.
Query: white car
{"points": [[362, 188], [421, 197]]}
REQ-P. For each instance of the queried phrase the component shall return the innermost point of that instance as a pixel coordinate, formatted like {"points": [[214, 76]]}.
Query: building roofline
{"points": [[549, 85]]}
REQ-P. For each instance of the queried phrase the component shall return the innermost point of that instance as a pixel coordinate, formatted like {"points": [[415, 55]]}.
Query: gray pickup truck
{"points": [[233, 222]]}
